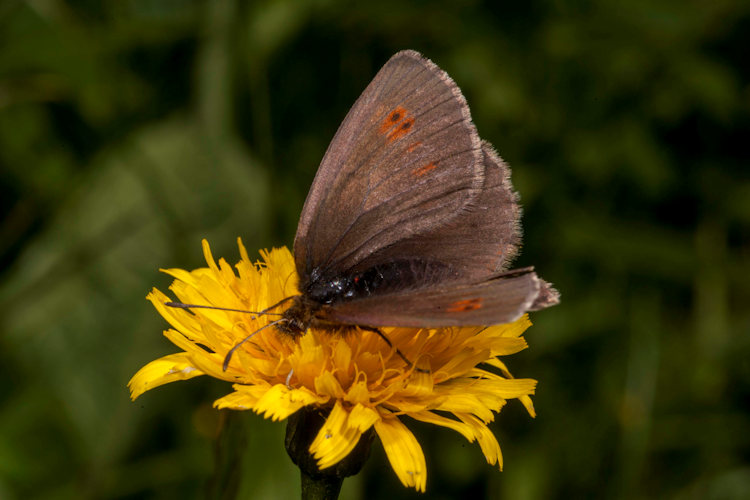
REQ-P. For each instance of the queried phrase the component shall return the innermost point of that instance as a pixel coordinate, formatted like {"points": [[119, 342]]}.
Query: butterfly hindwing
{"points": [[478, 242], [499, 300]]}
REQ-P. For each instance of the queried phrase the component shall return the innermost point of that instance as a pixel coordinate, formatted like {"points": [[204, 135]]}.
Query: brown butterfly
{"points": [[411, 219]]}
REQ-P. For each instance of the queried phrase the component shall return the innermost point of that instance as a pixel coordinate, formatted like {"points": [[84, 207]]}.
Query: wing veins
{"points": [[375, 235], [363, 212]]}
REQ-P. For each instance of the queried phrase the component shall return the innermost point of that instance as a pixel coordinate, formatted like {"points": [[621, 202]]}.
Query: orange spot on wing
{"points": [[392, 119], [397, 124], [401, 129], [413, 146], [419, 172], [466, 305]]}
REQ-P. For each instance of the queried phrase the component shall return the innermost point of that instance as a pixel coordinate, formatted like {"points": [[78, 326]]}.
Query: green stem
{"points": [[320, 487]]}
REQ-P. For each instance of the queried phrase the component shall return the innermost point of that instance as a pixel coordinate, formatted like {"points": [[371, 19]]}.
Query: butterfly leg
{"points": [[390, 344]]}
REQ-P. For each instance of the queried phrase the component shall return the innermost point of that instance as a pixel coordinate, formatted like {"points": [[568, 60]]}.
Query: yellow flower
{"points": [[461, 382]]}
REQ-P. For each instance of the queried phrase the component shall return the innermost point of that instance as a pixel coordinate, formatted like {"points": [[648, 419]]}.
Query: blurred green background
{"points": [[129, 130]]}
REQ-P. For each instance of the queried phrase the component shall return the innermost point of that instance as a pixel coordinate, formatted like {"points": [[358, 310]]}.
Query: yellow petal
{"points": [[516, 328], [235, 401], [162, 371], [358, 393], [407, 405], [176, 317], [466, 402], [499, 364], [279, 402], [362, 418], [505, 346], [327, 384], [336, 438], [419, 384], [342, 354], [404, 452], [492, 386], [466, 360], [207, 254], [509, 388], [243, 398], [434, 418], [529, 405], [487, 441]]}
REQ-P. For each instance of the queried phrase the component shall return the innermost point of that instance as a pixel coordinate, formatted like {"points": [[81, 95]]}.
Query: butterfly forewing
{"points": [[406, 158]]}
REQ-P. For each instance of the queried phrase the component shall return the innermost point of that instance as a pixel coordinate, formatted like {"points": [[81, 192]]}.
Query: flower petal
{"points": [[516, 328], [327, 384], [176, 317], [363, 417], [491, 386], [467, 402], [339, 435], [487, 441], [279, 401], [162, 371], [433, 418], [529, 405], [243, 398], [470, 427], [404, 452]]}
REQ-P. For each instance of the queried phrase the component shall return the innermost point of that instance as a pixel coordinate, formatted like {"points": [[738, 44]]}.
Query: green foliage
{"points": [[131, 130]]}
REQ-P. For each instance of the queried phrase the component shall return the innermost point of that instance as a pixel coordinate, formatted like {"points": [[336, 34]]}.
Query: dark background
{"points": [[129, 130]]}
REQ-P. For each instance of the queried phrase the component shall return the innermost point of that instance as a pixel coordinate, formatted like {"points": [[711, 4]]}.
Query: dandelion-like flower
{"points": [[455, 379]]}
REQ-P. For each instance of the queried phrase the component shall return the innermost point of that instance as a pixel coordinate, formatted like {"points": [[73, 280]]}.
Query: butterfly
{"points": [[411, 219]]}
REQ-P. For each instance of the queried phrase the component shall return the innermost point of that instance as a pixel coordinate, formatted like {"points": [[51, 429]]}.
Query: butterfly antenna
{"points": [[398, 351], [182, 305], [228, 357]]}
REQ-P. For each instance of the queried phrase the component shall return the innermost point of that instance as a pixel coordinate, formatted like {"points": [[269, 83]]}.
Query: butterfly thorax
{"points": [[387, 277], [309, 308]]}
